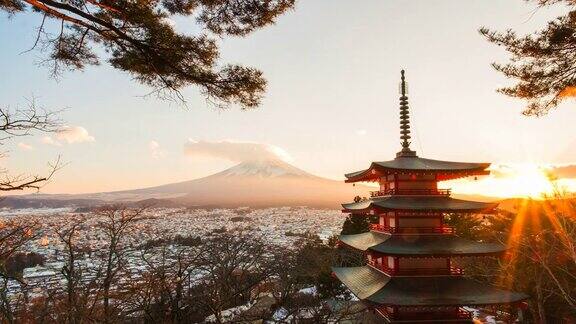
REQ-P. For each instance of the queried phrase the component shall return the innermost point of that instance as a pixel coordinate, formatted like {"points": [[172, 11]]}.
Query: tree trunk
{"points": [[541, 318]]}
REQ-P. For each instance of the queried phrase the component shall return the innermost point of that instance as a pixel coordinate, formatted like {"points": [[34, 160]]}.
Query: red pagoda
{"points": [[410, 276]]}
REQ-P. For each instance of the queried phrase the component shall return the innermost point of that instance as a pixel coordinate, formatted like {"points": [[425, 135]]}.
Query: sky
{"points": [[331, 106]]}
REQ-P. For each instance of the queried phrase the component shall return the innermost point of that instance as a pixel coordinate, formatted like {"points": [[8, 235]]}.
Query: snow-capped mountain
{"points": [[251, 183], [257, 183]]}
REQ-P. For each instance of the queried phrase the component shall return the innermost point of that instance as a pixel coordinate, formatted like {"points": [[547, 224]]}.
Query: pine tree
{"points": [[139, 37], [544, 63], [355, 224]]}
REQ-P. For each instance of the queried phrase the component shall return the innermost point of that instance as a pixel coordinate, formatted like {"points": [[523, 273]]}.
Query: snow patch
{"points": [[264, 169]]}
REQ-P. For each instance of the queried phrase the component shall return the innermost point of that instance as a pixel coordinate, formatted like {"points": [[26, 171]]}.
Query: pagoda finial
{"points": [[404, 120]]}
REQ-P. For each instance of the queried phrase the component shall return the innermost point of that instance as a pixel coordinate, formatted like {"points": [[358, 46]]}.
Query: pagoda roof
{"points": [[446, 169], [374, 286], [420, 245], [364, 241], [420, 203]]}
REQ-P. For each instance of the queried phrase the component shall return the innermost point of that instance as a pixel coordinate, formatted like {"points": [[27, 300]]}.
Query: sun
{"points": [[526, 180]]}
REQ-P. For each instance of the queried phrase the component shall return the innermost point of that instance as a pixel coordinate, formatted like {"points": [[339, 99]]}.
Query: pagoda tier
{"points": [[442, 170], [410, 276], [376, 287], [420, 245], [431, 203]]}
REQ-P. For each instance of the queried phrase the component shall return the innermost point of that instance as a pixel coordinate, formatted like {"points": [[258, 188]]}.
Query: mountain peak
{"points": [[264, 169]]}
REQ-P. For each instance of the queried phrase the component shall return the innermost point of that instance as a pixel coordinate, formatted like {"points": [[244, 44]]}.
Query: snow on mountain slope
{"points": [[263, 168]]}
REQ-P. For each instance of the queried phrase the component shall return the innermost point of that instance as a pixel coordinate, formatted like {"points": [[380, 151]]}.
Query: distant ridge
{"points": [[535, 206]]}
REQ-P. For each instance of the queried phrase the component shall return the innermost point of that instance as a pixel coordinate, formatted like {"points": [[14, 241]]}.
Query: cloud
{"points": [[502, 170], [154, 148], [234, 151], [50, 141], [74, 134], [554, 171], [566, 171], [25, 147], [68, 135]]}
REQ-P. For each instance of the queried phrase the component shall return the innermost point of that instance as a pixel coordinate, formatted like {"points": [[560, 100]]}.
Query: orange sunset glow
{"points": [[525, 180]]}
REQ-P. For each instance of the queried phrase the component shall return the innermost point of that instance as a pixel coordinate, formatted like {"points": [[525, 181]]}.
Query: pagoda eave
{"points": [[375, 210], [422, 204], [445, 255], [363, 241], [441, 176], [444, 170], [421, 246], [376, 287]]}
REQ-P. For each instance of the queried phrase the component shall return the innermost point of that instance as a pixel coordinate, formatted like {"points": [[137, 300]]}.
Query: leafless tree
{"points": [[91, 273], [232, 264], [308, 265], [75, 303], [116, 224], [183, 280], [24, 122], [162, 291], [14, 235]]}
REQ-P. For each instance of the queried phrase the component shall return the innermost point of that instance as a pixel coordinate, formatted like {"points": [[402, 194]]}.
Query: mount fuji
{"points": [[259, 183]]}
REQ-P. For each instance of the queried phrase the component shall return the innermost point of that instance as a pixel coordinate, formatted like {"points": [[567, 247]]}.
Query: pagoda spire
{"points": [[404, 120]]}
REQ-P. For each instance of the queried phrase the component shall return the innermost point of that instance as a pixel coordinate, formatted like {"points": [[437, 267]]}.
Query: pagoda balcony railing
{"points": [[445, 315], [413, 230], [452, 271], [411, 192]]}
